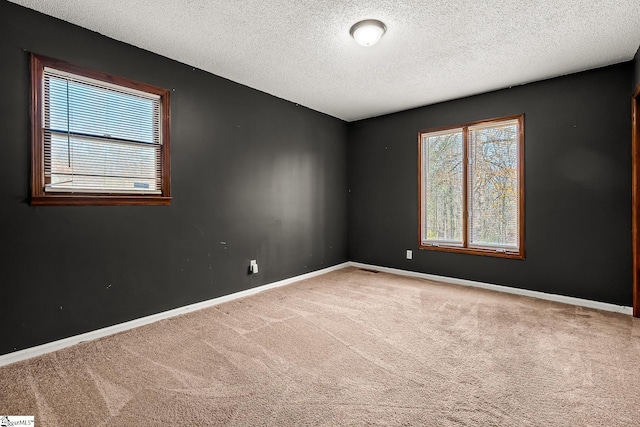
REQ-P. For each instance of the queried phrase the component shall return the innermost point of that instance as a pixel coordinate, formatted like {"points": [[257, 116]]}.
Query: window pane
{"points": [[86, 156], [83, 108], [84, 164], [493, 191], [442, 187], [100, 137]]}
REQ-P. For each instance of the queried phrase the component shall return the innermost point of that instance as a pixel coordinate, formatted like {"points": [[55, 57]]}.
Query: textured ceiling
{"points": [[433, 50]]}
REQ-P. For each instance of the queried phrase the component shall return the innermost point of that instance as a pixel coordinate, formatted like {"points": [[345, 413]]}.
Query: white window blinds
{"points": [[100, 137]]}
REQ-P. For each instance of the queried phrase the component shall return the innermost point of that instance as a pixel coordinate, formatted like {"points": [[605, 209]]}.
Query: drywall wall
{"points": [[577, 187], [253, 177], [636, 66]]}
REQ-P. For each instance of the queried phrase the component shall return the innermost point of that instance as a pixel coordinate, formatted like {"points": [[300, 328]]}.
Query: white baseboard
{"points": [[534, 294], [89, 336], [99, 333]]}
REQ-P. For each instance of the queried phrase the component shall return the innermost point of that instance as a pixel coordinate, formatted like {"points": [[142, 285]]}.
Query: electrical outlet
{"points": [[253, 266], [409, 254]]}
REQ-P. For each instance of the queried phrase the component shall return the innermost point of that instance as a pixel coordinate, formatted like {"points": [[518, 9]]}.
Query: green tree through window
{"points": [[471, 180]]}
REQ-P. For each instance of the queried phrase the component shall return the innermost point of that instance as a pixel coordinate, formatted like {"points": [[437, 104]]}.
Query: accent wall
{"points": [[577, 187], [253, 177]]}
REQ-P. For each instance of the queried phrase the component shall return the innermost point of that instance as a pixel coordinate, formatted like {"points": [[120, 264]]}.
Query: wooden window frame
{"points": [[465, 249], [38, 195]]}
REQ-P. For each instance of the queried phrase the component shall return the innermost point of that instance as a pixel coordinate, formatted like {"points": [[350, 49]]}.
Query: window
{"points": [[472, 188], [98, 139]]}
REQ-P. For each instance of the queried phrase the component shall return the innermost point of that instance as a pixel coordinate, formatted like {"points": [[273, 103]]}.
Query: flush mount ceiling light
{"points": [[367, 32]]}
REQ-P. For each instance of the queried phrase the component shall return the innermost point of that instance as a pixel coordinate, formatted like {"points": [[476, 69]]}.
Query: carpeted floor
{"points": [[350, 347]]}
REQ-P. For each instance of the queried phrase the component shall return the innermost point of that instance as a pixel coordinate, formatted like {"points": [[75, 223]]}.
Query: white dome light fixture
{"points": [[367, 32]]}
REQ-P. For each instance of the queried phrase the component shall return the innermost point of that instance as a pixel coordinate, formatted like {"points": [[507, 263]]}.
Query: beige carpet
{"points": [[348, 348]]}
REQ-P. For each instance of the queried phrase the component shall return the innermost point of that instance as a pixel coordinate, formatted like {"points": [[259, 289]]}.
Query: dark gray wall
{"points": [[636, 64], [577, 187], [264, 175]]}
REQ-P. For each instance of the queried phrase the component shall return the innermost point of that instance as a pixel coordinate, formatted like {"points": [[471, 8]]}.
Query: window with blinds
{"points": [[99, 138], [443, 199], [472, 189]]}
